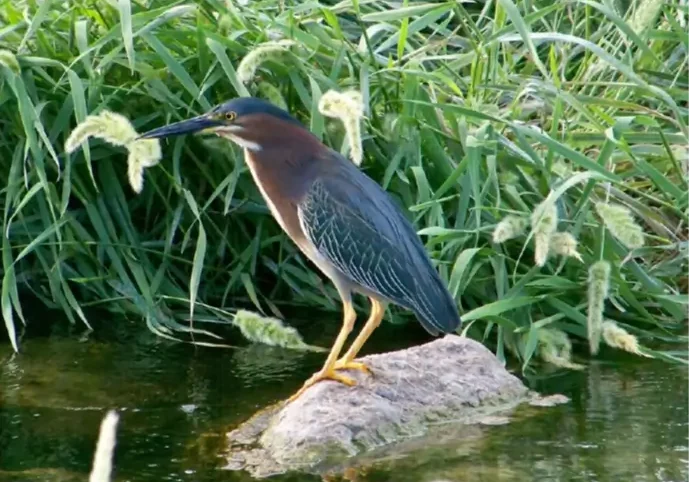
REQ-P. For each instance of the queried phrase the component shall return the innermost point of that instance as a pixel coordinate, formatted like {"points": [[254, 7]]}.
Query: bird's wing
{"points": [[355, 225]]}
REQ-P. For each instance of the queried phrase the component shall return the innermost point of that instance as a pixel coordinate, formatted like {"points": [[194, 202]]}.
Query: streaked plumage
{"points": [[338, 216], [355, 225]]}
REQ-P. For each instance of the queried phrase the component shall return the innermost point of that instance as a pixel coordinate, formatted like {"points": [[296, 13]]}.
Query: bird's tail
{"points": [[437, 310]]}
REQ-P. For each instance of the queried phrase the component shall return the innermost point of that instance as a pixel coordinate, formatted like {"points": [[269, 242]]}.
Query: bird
{"points": [[344, 222]]}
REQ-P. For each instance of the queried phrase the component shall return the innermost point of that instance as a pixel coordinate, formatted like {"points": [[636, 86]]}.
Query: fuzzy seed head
{"points": [[509, 227], [9, 60], [267, 50], [645, 15], [342, 104], [617, 337], [145, 152], [269, 331], [113, 128], [565, 244], [541, 248], [556, 348], [116, 129], [598, 286], [543, 223], [544, 218], [135, 175], [620, 222], [348, 107]]}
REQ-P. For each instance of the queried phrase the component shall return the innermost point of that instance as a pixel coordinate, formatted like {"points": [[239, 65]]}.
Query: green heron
{"points": [[342, 220]]}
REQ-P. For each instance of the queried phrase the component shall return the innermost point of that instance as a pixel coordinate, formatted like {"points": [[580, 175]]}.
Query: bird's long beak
{"points": [[196, 124]]}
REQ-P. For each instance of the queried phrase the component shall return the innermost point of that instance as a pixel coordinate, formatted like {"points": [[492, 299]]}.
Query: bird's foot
{"points": [[320, 376], [344, 364]]}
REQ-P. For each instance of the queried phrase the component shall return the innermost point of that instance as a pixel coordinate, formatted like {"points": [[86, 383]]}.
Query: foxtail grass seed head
{"points": [[269, 331], [645, 15], [509, 227], [116, 129], [620, 222], [145, 152], [105, 447], [348, 107], [9, 60], [543, 224], [251, 61], [113, 128], [541, 248], [135, 175], [617, 337], [556, 348], [598, 286], [565, 244]]}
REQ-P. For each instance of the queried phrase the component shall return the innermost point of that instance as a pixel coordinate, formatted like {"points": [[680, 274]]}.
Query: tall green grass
{"points": [[474, 111]]}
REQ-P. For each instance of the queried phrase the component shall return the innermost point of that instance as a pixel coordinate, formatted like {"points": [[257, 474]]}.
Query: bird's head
{"points": [[250, 122]]}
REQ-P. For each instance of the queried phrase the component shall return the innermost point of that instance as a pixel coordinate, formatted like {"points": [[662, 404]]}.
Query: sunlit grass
{"points": [[475, 114]]}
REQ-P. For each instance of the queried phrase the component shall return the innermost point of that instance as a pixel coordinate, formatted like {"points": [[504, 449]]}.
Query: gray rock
{"points": [[412, 393]]}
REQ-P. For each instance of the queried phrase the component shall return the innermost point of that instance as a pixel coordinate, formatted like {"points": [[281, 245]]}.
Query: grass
{"points": [[474, 112]]}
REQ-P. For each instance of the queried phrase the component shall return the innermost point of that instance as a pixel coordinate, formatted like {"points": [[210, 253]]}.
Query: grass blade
{"points": [[125, 9]]}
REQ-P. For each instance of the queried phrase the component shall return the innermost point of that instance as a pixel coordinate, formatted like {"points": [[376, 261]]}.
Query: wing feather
{"points": [[355, 225]]}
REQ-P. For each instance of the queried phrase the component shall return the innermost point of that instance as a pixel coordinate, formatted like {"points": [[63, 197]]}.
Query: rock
{"points": [[452, 380]]}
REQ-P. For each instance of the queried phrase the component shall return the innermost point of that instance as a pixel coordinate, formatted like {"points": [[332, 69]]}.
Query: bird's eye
{"points": [[230, 116]]}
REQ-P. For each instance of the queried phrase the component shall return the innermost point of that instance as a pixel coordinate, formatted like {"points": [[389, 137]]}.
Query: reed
{"points": [[476, 114]]}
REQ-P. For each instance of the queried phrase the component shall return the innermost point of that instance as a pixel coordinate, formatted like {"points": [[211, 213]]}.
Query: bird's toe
{"points": [[320, 376], [352, 365]]}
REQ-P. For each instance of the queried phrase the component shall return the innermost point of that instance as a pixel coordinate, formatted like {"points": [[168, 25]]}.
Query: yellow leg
{"points": [[328, 371], [346, 362]]}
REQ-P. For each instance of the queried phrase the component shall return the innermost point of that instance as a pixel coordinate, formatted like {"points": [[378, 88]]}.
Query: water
{"points": [[627, 419]]}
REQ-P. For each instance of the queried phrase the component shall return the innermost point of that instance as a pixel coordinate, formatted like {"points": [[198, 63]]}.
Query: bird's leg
{"points": [[346, 362], [328, 371]]}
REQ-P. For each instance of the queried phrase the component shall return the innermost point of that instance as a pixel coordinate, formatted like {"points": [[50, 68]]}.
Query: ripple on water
{"points": [[624, 421]]}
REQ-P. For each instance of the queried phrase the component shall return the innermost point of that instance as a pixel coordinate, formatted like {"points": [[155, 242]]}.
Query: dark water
{"points": [[627, 419]]}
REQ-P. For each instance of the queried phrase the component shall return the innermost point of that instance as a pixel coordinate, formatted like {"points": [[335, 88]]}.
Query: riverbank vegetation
{"points": [[541, 149]]}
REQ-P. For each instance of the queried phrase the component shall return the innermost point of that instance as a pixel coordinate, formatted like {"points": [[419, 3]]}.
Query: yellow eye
{"points": [[230, 116]]}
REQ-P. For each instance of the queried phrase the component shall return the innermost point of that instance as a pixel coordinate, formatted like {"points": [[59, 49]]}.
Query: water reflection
{"points": [[627, 420]]}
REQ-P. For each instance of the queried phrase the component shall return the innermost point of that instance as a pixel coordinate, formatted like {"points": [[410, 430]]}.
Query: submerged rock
{"points": [[452, 380]]}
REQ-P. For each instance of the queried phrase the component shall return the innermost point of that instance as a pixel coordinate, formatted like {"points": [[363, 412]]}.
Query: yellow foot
{"points": [[322, 375], [343, 364]]}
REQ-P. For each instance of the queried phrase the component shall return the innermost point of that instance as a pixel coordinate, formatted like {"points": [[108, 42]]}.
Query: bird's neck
{"points": [[284, 172], [283, 178]]}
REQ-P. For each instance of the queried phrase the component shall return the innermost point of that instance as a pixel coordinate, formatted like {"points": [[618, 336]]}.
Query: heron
{"points": [[339, 218]]}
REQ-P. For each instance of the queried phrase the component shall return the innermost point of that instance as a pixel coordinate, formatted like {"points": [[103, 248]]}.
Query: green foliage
{"points": [[473, 112]]}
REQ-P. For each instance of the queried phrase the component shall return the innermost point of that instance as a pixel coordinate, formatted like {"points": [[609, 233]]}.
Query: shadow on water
{"points": [[627, 420]]}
